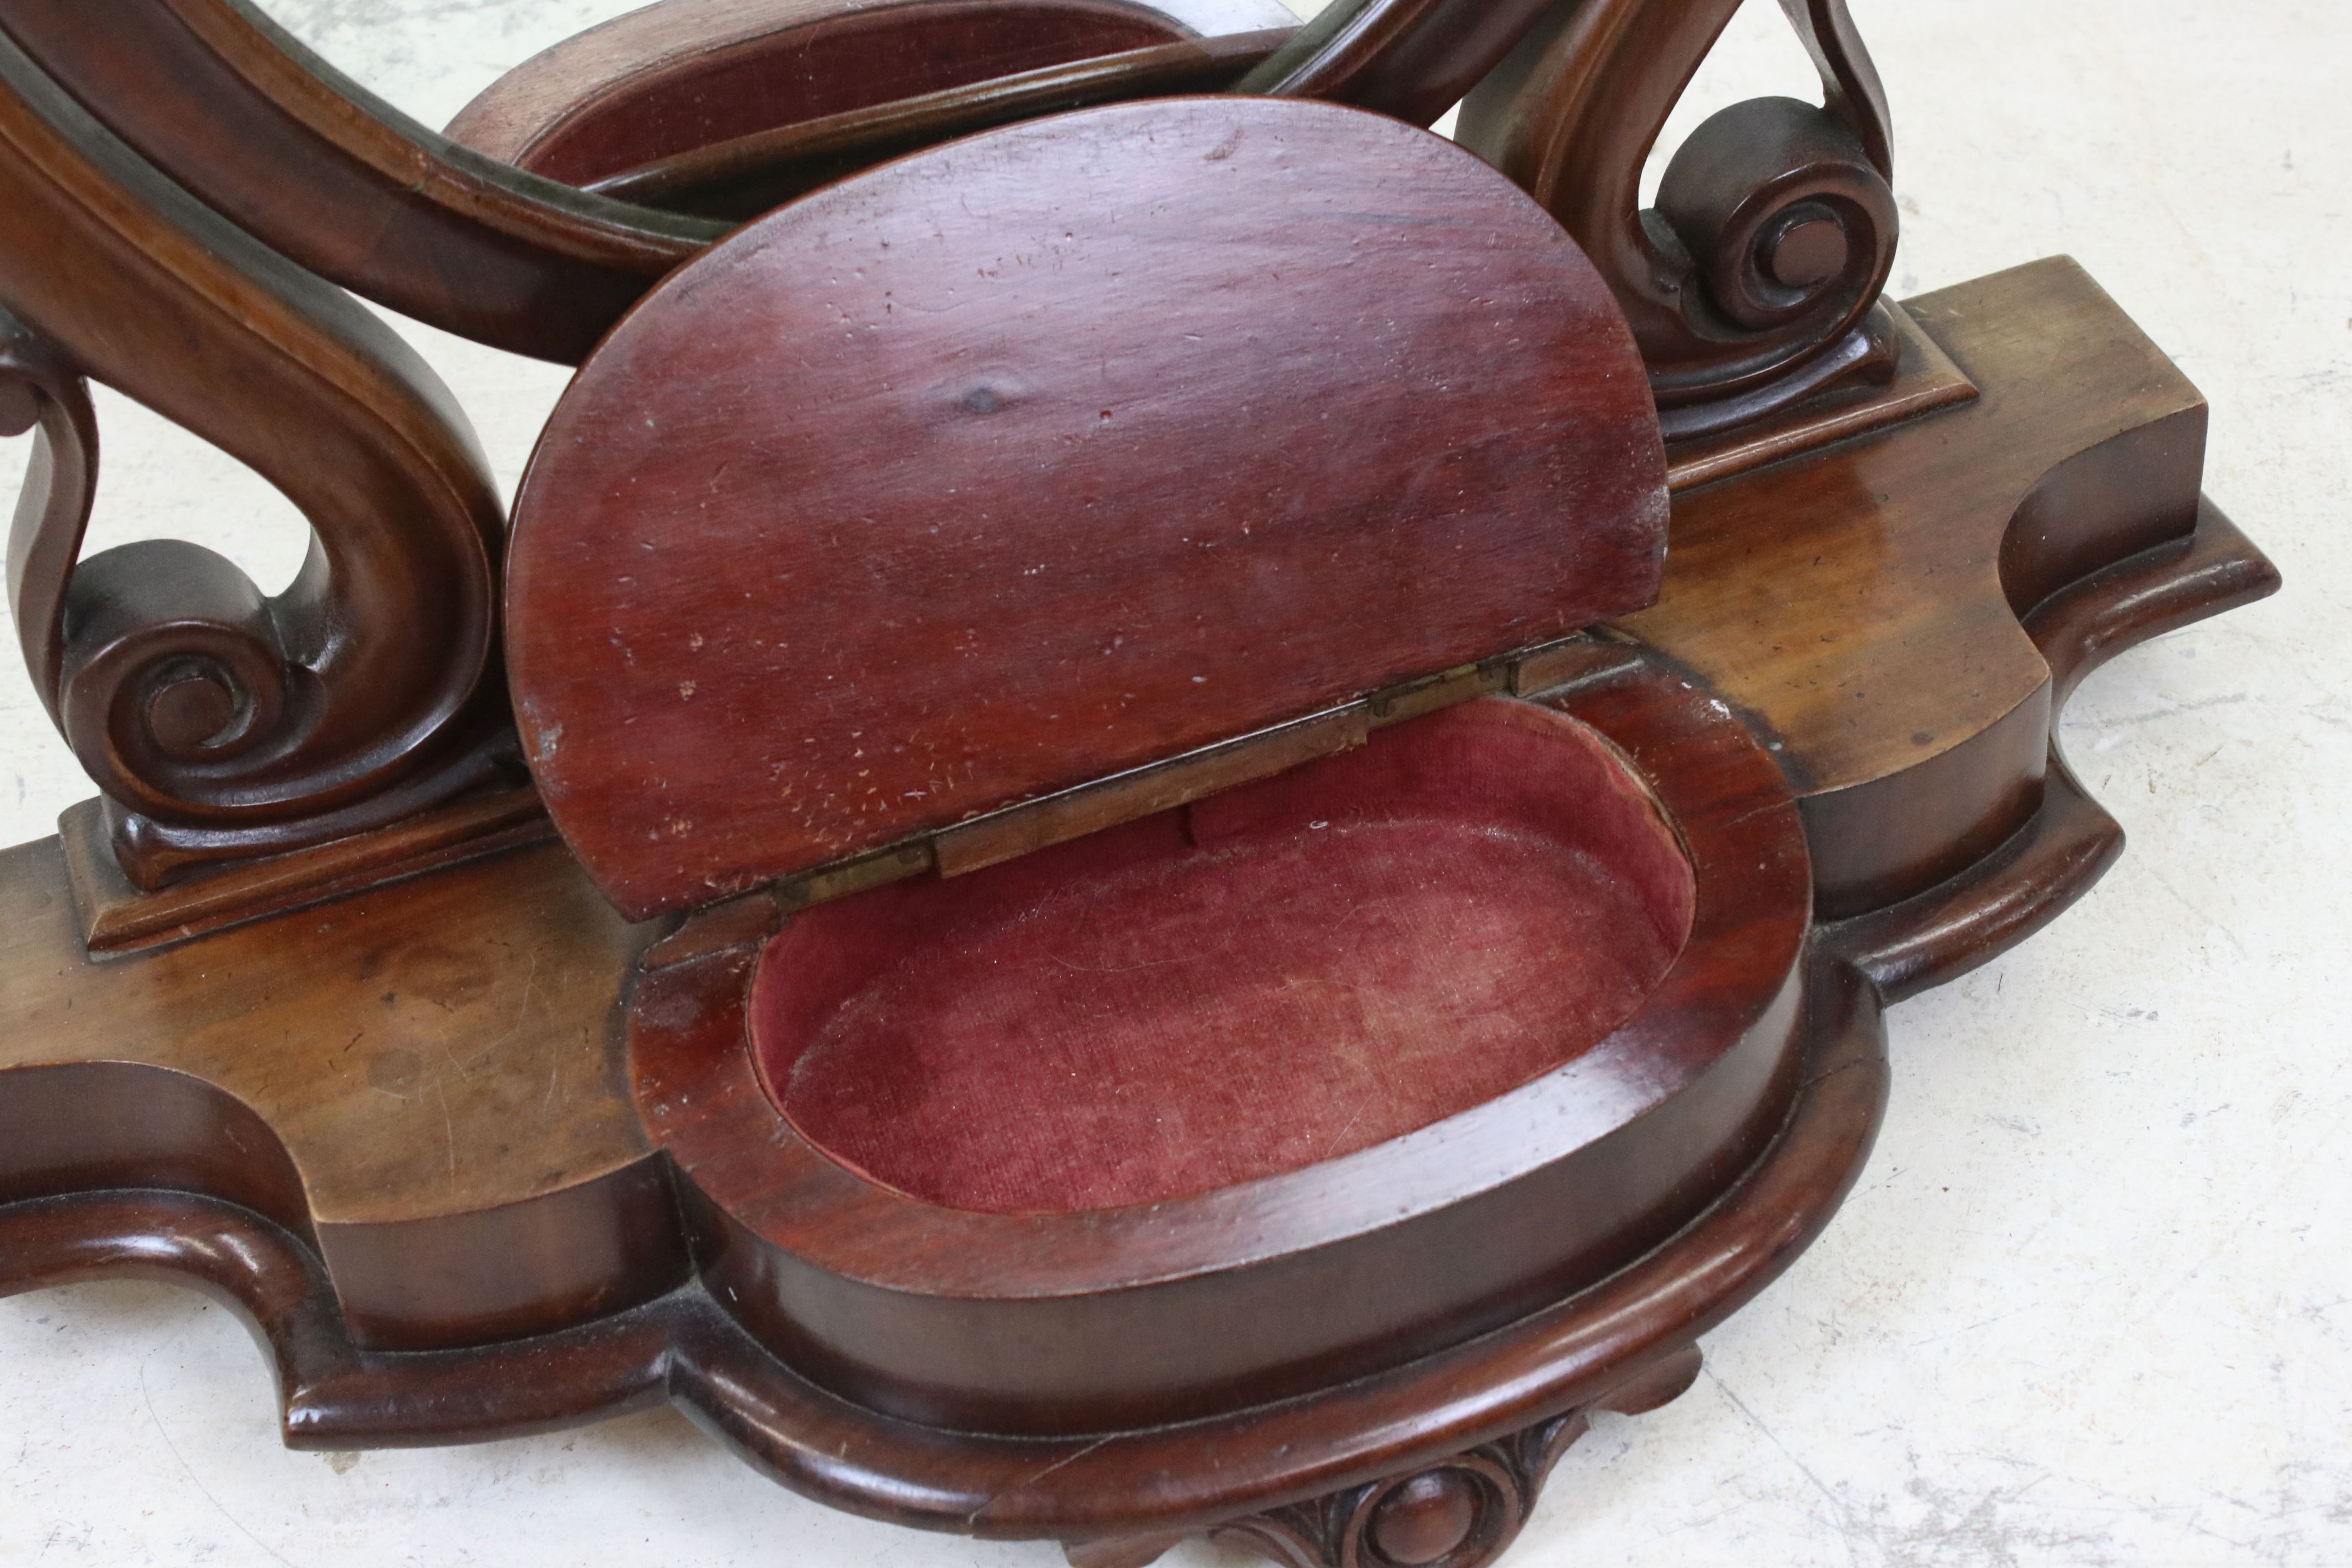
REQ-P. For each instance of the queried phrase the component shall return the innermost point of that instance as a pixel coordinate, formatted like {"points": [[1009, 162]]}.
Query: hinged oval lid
{"points": [[1050, 454]]}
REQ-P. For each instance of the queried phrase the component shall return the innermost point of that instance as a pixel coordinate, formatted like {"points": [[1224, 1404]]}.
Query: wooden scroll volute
{"points": [[223, 724], [1748, 287], [1749, 283], [220, 721]]}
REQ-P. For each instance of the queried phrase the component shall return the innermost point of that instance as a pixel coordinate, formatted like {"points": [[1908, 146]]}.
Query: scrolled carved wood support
{"points": [[1753, 281], [41, 394], [221, 721]]}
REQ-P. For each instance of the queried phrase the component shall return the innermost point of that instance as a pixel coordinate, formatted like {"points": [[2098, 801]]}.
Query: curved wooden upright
{"points": [[672, 78], [226, 104], [1749, 285], [217, 720]]}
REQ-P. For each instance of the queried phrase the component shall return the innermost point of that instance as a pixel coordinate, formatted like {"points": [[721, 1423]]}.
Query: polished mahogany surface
{"points": [[1060, 1320], [1283, 973], [438, 1057], [742, 177], [666, 79], [1057, 452], [227, 107]]}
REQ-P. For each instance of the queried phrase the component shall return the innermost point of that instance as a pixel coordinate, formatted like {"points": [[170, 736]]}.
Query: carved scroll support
{"points": [[40, 392], [1460, 1512], [1753, 281], [222, 722]]}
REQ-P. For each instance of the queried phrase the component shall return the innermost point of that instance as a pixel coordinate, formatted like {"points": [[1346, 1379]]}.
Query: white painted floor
{"points": [[2092, 1300]]}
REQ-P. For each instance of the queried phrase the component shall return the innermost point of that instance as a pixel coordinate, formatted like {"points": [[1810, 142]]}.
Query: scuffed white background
{"points": [[2092, 1302]]}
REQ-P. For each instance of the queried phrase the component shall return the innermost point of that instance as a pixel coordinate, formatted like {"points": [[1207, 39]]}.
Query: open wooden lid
{"points": [[1049, 456]]}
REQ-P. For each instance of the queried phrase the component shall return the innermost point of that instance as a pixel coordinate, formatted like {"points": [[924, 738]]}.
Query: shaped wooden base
{"points": [[395, 1128]]}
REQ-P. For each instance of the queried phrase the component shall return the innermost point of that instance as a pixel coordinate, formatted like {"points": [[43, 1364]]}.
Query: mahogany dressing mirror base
{"points": [[1170, 812]]}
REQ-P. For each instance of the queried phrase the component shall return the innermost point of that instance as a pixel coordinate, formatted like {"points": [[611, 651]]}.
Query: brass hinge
{"points": [[1015, 830]]}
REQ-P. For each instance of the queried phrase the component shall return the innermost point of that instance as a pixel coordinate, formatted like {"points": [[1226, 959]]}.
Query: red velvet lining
{"points": [[1283, 973]]}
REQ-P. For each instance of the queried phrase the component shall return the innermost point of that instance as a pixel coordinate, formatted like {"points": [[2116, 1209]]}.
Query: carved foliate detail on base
{"points": [[1462, 1512]]}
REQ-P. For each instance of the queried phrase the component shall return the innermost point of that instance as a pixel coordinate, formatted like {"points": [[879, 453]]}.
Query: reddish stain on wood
{"points": [[1051, 453]]}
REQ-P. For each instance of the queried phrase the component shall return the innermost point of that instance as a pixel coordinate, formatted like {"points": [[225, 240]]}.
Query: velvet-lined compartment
{"points": [[1281, 975]]}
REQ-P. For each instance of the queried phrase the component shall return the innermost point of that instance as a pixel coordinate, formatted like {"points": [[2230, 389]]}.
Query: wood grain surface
{"points": [[230, 107], [1414, 59], [743, 176], [1045, 1321], [441, 1048], [667, 78], [1106, 438], [1865, 605], [2047, 346], [2039, 493]]}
